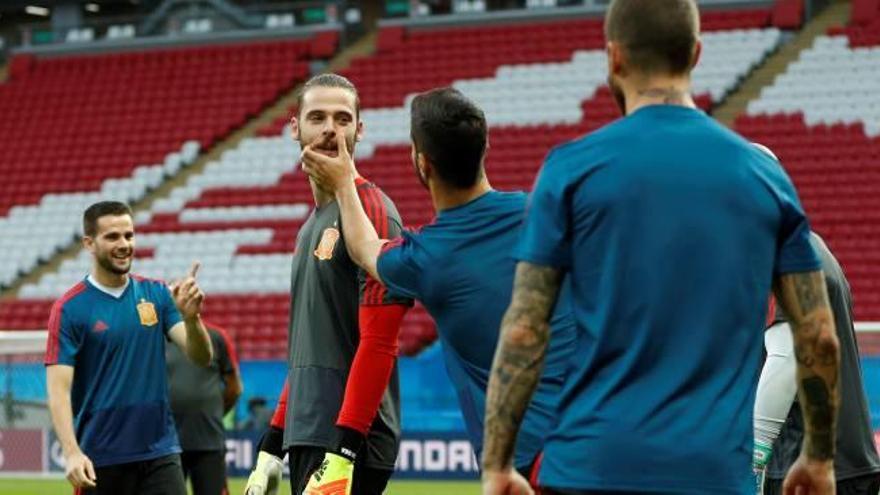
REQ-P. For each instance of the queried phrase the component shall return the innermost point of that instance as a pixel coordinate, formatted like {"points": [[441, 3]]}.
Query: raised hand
{"points": [[188, 297]]}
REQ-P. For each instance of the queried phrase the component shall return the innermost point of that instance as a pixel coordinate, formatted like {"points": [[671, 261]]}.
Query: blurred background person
{"points": [[200, 397]]}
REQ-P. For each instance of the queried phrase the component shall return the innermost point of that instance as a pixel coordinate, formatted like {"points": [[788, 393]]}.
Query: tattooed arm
{"points": [[804, 298], [519, 359]]}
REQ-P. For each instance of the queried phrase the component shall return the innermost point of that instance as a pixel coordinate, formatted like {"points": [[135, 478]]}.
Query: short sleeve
{"points": [[170, 314], [398, 268], [65, 337], [387, 223], [794, 251], [545, 238], [224, 353]]}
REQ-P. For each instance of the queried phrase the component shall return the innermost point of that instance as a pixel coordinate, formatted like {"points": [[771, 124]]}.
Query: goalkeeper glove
{"points": [[335, 475], [760, 458], [266, 476]]}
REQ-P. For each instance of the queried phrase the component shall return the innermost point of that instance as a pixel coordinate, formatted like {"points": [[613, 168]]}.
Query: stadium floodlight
{"points": [[93, 7], [36, 10]]}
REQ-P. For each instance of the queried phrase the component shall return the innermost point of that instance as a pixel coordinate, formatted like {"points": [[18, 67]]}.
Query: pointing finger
{"points": [[194, 269], [341, 145]]}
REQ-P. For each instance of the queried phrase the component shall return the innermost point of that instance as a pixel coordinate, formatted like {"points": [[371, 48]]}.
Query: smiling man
{"points": [[105, 365]]}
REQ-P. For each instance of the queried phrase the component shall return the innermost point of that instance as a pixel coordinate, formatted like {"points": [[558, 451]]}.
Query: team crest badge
{"points": [[147, 313], [325, 248]]}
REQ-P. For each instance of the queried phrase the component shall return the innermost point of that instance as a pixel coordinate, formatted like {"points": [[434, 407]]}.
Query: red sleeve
{"points": [[230, 348], [280, 409], [372, 366], [771, 312]]}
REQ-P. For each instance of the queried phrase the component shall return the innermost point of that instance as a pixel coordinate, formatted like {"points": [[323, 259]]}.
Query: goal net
{"points": [[24, 416]]}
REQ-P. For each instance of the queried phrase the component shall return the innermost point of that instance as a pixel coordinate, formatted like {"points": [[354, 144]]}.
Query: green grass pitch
{"points": [[52, 486]]}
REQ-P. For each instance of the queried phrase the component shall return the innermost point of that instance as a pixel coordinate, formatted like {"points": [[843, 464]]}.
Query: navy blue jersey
{"points": [[117, 349], [672, 228], [461, 269]]}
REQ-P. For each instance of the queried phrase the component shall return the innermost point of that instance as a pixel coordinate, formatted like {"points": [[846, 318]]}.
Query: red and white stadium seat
{"points": [[822, 118], [76, 129], [540, 83]]}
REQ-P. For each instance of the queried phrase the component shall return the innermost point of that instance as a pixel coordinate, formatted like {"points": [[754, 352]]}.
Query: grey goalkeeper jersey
{"points": [[326, 291], [856, 455]]}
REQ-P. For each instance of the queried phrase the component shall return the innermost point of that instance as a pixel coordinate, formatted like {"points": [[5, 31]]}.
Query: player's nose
{"points": [[328, 129]]}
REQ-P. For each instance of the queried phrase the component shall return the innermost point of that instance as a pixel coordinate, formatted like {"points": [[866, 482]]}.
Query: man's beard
{"points": [[106, 262], [617, 93]]}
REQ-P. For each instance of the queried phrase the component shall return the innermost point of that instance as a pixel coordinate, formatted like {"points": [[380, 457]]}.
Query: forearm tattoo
{"points": [[519, 360], [805, 300]]}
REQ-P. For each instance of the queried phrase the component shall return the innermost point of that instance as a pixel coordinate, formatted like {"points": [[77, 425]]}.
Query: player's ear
{"points": [[615, 58], [425, 167], [359, 133], [698, 50], [88, 243], [294, 128]]}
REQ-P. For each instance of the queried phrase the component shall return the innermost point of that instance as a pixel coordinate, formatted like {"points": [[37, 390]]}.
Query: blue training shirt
{"points": [[461, 269], [672, 228], [117, 349]]}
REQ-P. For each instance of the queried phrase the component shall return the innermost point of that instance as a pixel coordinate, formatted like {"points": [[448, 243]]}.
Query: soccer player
{"points": [[779, 420], [672, 228], [342, 409], [200, 397], [459, 266], [105, 365]]}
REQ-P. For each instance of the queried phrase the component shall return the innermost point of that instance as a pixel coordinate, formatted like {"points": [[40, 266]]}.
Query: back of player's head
{"points": [[102, 209], [329, 80], [657, 36], [450, 130]]}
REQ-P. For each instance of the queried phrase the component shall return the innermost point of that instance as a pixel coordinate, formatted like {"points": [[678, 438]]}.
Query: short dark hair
{"points": [[451, 131], [102, 209], [328, 80], [658, 36]]}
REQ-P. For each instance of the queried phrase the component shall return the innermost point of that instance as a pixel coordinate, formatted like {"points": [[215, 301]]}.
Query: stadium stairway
{"points": [[836, 14], [822, 118]]}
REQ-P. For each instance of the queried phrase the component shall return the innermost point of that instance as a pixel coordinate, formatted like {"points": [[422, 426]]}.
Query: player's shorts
{"points": [[162, 476], [531, 471], [206, 470], [862, 485], [304, 461]]}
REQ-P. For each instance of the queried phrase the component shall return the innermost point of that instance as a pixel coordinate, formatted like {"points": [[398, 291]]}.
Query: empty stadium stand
{"points": [[79, 128], [822, 118], [240, 216]]}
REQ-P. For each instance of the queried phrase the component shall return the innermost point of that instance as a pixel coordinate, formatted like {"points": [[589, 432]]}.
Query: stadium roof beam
{"points": [[232, 12], [590, 8]]}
